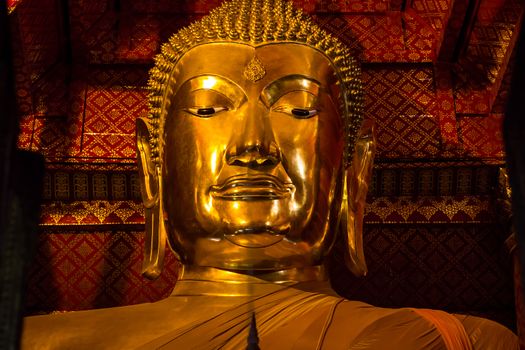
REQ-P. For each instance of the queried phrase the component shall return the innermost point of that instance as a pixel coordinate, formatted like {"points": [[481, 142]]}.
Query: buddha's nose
{"points": [[254, 144], [254, 156]]}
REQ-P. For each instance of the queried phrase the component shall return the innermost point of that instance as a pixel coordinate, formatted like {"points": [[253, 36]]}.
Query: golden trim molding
{"points": [[381, 210]]}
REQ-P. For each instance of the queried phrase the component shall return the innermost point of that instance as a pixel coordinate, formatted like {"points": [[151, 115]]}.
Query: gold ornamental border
{"points": [[430, 210], [381, 210], [91, 213]]}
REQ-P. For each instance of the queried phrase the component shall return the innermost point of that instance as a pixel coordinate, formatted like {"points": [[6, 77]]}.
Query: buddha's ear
{"points": [[151, 191], [356, 180]]}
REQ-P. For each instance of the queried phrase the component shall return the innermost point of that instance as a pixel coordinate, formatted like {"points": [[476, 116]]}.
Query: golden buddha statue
{"points": [[254, 159]]}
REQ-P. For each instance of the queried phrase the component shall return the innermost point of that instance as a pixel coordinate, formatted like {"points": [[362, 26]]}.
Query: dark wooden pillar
{"points": [[20, 187], [514, 133]]}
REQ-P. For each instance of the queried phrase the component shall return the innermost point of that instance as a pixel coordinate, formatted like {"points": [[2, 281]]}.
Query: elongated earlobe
{"points": [[355, 188], [151, 191]]}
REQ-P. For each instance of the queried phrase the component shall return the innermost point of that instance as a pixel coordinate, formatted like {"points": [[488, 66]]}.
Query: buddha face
{"points": [[252, 162]]}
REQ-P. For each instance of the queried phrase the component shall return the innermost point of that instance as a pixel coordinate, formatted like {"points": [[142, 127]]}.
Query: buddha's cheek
{"points": [[193, 158], [298, 141]]}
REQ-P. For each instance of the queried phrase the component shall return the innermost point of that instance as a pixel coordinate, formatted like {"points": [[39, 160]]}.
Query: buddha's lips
{"points": [[252, 188]]}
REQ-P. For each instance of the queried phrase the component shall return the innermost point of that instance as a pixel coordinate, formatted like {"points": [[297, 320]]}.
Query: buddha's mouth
{"points": [[254, 238], [252, 188]]}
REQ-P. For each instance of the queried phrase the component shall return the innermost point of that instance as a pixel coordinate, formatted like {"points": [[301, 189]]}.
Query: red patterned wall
{"points": [[76, 271], [458, 268], [80, 106]]}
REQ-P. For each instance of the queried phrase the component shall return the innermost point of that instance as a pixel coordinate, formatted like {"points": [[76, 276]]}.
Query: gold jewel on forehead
{"points": [[254, 70]]}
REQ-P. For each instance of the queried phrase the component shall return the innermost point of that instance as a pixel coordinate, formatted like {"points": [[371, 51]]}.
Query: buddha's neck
{"points": [[197, 280]]}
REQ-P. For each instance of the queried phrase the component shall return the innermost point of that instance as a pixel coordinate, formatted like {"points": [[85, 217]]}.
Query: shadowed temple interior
{"points": [[435, 74]]}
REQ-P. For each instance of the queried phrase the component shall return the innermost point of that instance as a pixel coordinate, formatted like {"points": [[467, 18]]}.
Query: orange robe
{"points": [[207, 315]]}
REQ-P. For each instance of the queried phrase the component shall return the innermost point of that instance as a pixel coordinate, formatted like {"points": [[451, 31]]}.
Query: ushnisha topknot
{"points": [[255, 22]]}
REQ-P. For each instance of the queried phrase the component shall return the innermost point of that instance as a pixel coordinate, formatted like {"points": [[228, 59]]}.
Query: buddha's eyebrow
{"points": [[216, 83], [273, 91]]}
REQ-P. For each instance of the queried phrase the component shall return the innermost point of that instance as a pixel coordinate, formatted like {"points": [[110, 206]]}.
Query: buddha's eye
{"points": [[299, 113], [205, 112]]}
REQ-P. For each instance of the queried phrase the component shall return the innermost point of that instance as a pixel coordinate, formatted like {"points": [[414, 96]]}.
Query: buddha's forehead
{"points": [[230, 60]]}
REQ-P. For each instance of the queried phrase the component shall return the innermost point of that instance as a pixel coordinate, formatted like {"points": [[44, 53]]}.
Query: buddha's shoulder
{"points": [[111, 328]]}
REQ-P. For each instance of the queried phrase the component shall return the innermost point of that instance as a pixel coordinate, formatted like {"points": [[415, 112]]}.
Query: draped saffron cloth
{"points": [[209, 314], [296, 318]]}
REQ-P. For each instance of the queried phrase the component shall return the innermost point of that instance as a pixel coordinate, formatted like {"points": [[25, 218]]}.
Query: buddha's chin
{"points": [[253, 251], [250, 224]]}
